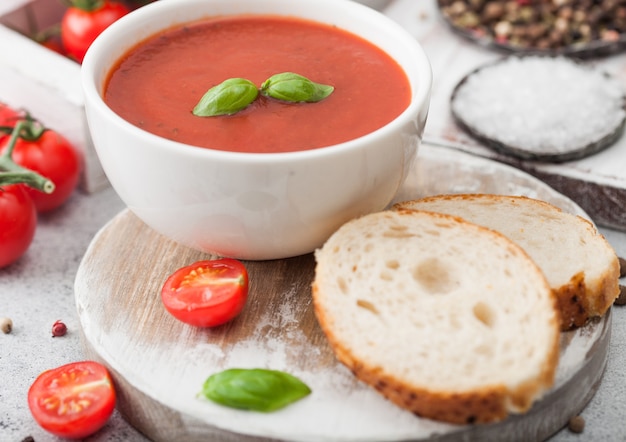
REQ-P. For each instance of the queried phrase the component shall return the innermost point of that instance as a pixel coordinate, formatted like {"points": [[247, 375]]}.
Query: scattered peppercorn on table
{"points": [[38, 290]]}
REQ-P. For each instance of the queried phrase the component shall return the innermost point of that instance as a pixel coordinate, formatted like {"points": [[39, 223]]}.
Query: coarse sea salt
{"points": [[542, 105]]}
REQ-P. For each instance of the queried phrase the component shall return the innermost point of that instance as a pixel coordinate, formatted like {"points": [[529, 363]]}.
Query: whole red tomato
{"points": [[206, 293], [74, 400], [84, 21], [53, 43], [18, 220], [8, 116], [51, 155]]}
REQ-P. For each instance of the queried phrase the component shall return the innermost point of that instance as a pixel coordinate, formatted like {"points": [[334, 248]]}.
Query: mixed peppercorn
{"points": [[539, 24]]}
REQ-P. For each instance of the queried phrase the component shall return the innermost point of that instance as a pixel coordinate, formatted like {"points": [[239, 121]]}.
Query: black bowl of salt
{"points": [[541, 108]]}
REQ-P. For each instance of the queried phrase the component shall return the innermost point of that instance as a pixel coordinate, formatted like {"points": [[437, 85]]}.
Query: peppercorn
{"points": [[6, 325], [493, 11], [58, 329], [536, 31], [565, 12], [564, 23], [576, 424]]}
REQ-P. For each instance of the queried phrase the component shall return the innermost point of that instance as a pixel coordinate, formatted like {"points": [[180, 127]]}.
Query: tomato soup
{"points": [[156, 85]]}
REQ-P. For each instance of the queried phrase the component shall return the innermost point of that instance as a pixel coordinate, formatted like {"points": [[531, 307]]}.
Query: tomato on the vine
{"points": [[8, 116], [84, 20], [206, 293], [53, 43], [18, 220], [74, 400], [51, 155]]}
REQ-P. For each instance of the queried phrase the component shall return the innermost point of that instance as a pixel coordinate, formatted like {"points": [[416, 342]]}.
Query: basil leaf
{"points": [[227, 98], [289, 86], [254, 389]]}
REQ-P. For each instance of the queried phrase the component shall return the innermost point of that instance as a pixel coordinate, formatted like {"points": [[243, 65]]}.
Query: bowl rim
{"points": [[420, 94]]}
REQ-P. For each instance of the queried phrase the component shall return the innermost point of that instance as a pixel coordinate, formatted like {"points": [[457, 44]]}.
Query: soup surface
{"points": [[156, 85]]}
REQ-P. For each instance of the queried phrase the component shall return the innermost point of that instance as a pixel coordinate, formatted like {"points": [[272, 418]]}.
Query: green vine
{"points": [[85, 5], [13, 173]]}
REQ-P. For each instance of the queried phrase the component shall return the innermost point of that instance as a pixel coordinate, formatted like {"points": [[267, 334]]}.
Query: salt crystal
{"points": [[543, 105]]}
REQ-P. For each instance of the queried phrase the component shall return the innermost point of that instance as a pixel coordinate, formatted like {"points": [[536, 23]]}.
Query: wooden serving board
{"points": [[159, 364]]}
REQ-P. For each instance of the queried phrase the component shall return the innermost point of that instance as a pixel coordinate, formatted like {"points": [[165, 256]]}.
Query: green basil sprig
{"points": [[227, 98], [235, 94], [255, 389], [289, 86]]}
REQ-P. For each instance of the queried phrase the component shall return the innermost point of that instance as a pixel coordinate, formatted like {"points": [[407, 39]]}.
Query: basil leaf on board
{"points": [[254, 389], [289, 86], [227, 98]]}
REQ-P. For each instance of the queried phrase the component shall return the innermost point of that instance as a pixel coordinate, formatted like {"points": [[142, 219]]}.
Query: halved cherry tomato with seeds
{"points": [[207, 293], [74, 400]]}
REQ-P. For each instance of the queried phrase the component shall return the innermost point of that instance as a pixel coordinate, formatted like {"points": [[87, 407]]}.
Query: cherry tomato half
{"points": [[73, 400], [52, 156], [207, 293], [18, 220], [80, 27]]}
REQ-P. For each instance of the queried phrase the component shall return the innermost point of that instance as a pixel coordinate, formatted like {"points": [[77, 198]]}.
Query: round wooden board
{"points": [[159, 364]]}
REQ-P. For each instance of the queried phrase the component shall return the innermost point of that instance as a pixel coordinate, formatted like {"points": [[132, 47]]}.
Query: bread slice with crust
{"points": [[445, 318], [579, 263]]}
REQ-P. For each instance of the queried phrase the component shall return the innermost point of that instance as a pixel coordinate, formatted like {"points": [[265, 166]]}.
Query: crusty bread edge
{"points": [[486, 405], [578, 300]]}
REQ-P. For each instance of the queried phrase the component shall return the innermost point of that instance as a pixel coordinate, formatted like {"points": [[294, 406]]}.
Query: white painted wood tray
{"points": [[160, 364]]}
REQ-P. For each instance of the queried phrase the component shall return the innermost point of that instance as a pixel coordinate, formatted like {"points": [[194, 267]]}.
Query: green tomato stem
{"points": [[29, 178], [13, 173], [84, 5]]}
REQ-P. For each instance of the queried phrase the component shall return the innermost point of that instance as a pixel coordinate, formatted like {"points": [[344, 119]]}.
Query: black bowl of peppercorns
{"points": [[584, 28]]}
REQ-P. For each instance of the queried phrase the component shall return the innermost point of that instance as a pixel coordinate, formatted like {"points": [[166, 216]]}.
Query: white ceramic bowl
{"points": [[254, 206]]}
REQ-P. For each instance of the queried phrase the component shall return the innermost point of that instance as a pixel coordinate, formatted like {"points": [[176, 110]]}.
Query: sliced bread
{"points": [[579, 263], [445, 318]]}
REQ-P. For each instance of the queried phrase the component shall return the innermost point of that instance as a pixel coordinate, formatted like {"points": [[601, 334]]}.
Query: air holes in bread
{"points": [[386, 276], [392, 264], [433, 276], [484, 314], [367, 305], [397, 231], [485, 350], [343, 286]]}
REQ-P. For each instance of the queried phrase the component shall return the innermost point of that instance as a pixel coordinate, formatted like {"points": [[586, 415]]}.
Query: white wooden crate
{"points": [[43, 82]]}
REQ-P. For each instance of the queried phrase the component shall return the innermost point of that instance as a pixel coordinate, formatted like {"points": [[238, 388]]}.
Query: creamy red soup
{"points": [[156, 85]]}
